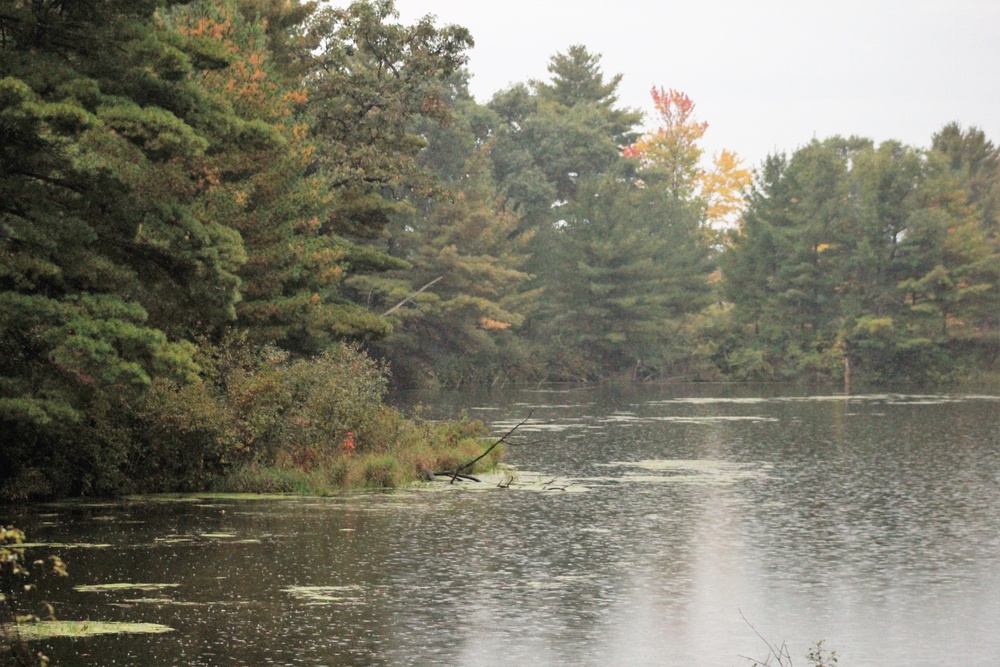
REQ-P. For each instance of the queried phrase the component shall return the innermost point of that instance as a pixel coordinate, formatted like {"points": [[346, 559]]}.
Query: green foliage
{"points": [[201, 201], [876, 253], [101, 123], [256, 420], [463, 249], [398, 450], [625, 271], [550, 137], [167, 169]]}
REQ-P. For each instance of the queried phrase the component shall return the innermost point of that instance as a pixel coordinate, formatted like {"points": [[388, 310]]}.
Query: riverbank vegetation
{"points": [[226, 225]]}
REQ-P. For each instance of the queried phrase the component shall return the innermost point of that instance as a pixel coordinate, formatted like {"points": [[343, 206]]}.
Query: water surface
{"points": [[671, 518]]}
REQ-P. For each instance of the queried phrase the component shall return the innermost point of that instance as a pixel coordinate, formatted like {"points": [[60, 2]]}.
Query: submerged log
{"points": [[459, 476]]}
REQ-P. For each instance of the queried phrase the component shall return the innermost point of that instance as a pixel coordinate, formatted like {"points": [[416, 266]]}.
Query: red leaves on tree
{"points": [[672, 150]]}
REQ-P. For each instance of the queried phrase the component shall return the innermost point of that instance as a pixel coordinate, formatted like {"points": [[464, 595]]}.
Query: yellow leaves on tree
{"points": [[493, 325], [672, 151], [722, 187]]}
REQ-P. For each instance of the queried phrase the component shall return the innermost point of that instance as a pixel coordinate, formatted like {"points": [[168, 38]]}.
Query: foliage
{"points": [[369, 79], [779, 656], [457, 308], [201, 202], [108, 251], [627, 271], [873, 254], [406, 447], [168, 168], [259, 407], [672, 151]]}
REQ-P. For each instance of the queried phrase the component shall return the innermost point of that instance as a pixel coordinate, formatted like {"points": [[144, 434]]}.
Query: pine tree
{"points": [[628, 269], [110, 254]]}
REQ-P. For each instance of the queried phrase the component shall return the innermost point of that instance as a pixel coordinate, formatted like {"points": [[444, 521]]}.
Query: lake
{"points": [[671, 525]]}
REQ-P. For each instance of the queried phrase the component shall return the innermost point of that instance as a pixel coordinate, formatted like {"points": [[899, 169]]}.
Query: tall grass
{"points": [[411, 447]]}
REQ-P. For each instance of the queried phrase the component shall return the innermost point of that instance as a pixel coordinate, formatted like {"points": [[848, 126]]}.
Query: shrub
{"points": [[255, 421], [383, 471]]}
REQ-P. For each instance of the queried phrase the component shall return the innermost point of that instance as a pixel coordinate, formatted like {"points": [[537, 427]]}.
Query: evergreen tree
{"points": [[854, 254], [456, 308], [110, 252], [369, 79], [628, 269], [554, 135]]}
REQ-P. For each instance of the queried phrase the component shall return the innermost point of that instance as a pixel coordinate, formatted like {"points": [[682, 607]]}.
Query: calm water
{"points": [[872, 523]]}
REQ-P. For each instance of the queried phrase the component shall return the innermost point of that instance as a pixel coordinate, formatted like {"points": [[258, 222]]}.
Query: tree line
{"points": [[201, 201]]}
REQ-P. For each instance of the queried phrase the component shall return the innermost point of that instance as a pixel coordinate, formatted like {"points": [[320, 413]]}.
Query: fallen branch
{"points": [[451, 473], [456, 473]]}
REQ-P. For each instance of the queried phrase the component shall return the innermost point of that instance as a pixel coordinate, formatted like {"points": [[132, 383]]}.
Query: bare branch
{"points": [[408, 298], [503, 439]]}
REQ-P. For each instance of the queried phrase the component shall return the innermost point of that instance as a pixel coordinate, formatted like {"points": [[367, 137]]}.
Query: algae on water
{"points": [[324, 594], [124, 586], [52, 629]]}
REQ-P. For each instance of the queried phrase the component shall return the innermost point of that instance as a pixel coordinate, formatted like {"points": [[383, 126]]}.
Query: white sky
{"points": [[766, 74]]}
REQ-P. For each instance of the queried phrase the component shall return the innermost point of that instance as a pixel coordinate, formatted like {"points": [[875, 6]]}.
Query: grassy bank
{"points": [[415, 447]]}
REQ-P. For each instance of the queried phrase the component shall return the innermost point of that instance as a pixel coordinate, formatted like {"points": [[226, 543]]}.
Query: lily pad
{"points": [[50, 629]]}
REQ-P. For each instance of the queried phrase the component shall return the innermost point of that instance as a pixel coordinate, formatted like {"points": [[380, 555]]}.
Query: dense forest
{"points": [[227, 225]]}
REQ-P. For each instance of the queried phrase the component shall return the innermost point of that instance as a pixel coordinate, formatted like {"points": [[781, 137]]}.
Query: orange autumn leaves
{"points": [[672, 152]]}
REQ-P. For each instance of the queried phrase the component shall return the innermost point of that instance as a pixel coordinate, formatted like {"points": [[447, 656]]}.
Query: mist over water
{"points": [[647, 526]]}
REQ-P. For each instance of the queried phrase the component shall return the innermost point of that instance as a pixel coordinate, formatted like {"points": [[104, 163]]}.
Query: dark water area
{"points": [[652, 526]]}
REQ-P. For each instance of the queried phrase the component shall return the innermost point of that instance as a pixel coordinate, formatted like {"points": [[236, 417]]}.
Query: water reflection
{"points": [[870, 522]]}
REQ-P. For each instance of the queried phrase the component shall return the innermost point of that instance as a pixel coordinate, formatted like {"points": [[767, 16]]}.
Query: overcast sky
{"points": [[766, 74]]}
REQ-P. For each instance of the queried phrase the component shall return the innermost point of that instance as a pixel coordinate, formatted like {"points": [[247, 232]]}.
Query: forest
{"points": [[227, 227]]}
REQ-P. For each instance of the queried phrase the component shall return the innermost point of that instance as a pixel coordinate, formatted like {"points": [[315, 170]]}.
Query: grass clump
{"points": [[392, 455]]}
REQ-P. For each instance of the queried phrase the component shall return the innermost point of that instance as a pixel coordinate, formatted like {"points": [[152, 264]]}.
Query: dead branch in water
{"points": [[457, 472]]}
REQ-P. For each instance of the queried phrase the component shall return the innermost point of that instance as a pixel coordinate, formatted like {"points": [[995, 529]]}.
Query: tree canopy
{"points": [[195, 194]]}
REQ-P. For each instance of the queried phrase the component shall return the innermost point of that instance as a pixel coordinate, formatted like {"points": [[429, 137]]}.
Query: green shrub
{"points": [[256, 421], [383, 471]]}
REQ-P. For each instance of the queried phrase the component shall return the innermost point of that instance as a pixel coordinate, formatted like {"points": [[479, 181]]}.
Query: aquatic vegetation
{"points": [[684, 471], [712, 419], [542, 426], [892, 399], [64, 545], [164, 601], [509, 479], [39, 630], [122, 586], [16, 582], [316, 595]]}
